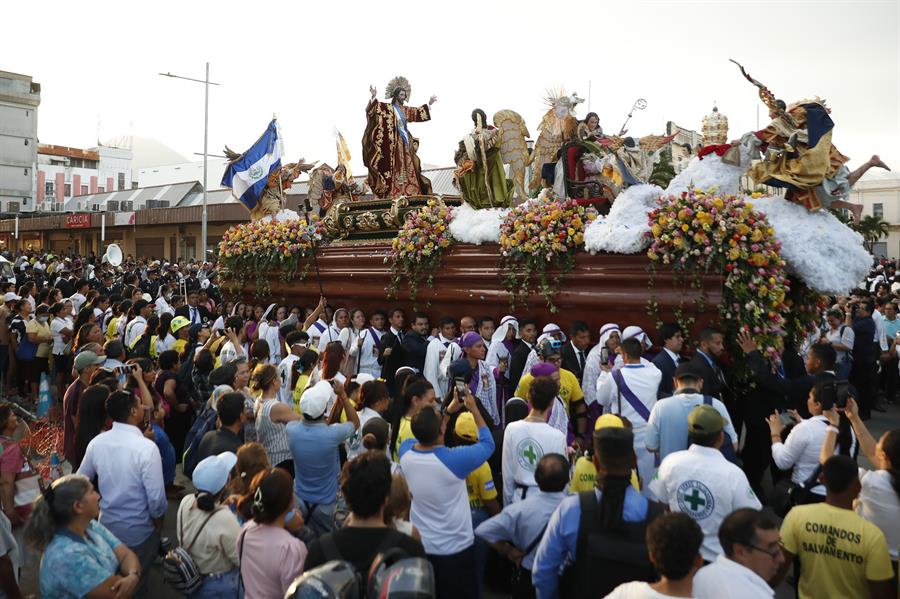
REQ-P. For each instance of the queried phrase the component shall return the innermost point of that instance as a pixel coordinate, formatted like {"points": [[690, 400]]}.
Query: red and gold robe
{"points": [[394, 167]]}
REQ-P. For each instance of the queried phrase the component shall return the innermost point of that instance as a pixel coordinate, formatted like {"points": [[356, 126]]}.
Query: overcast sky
{"points": [[311, 63]]}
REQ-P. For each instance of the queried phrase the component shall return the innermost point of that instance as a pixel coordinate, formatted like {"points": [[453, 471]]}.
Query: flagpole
{"points": [[203, 218]]}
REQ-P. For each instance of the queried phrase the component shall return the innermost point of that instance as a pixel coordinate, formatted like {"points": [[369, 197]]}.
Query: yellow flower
{"points": [[656, 230], [685, 227], [757, 235]]}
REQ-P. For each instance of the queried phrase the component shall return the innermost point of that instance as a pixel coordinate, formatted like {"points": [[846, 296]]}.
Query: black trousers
{"points": [[454, 575], [864, 377], [756, 454]]}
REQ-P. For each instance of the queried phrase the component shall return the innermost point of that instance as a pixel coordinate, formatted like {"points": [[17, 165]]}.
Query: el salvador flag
{"points": [[247, 176]]}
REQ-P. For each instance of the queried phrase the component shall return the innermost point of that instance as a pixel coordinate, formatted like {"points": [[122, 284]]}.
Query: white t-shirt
{"points": [[134, 330], [843, 335], [271, 335], [636, 590], [164, 343], [801, 450], [524, 444], [878, 503], [58, 324], [77, 301], [726, 579], [354, 443], [701, 483], [285, 367]]}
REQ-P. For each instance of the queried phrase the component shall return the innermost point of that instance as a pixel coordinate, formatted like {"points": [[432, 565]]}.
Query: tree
{"points": [[662, 172], [872, 228]]}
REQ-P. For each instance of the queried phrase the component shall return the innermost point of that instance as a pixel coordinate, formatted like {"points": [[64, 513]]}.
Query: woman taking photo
{"points": [[271, 416], [800, 451], [374, 400], [208, 530], [271, 501], [81, 557]]}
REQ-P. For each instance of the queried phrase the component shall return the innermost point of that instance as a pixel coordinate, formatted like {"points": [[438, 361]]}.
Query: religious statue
{"points": [[328, 185], [557, 127], [480, 175], [389, 150], [799, 157], [271, 202]]}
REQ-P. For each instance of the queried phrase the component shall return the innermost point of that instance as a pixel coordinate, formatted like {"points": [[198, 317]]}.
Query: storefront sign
{"points": [[78, 221]]}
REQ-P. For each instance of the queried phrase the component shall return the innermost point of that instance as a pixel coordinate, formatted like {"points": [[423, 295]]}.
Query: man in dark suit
{"points": [[528, 333], [193, 312], [391, 355], [574, 353], [415, 342], [711, 345], [671, 338]]}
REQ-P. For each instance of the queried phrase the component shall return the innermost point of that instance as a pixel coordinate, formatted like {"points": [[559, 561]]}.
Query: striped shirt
{"points": [[272, 434]]}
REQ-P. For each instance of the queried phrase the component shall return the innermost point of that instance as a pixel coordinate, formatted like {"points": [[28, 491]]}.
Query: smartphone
{"points": [[340, 378], [604, 355], [842, 391], [460, 386], [786, 419]]}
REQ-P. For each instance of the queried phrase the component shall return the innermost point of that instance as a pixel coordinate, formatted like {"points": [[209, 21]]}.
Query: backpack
{"points": [[727, 448], [604, 559], [179, 568], [204, 423]]}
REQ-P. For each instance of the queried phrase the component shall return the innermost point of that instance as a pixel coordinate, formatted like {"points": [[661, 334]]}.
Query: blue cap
{"points": [[211, 474]]}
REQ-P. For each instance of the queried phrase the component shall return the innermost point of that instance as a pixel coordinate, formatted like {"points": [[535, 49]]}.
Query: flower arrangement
{"points": [[705, 232], [537, 237], [250, 250], [416, 252]]}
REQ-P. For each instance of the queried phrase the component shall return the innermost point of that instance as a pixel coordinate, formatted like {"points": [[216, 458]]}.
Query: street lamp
{"points": [[206, 82]]}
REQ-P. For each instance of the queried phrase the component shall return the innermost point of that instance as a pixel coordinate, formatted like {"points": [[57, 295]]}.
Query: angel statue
{"points": [[557, 127], [389, 150], [328, 185], [798, 154], [480, 176]]}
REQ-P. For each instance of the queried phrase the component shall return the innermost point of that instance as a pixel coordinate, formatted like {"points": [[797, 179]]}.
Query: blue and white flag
{"points": [[247, 176]]}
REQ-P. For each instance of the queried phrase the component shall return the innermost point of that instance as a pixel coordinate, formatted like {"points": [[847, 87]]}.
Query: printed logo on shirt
{"points": [[528, 453], [695, 499]]}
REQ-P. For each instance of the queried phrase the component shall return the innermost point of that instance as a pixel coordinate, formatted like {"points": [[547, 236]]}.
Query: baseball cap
{"points": [[608, 421], [465, 427], [11, 297], [688, 370], [705, 420], [211, 474], [363, 377], [179, 322], [315, 400], [86, 358]]}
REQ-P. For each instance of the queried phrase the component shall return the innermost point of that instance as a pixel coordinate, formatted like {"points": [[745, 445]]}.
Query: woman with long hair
{"points": [[800, 451], [164, 337], [81, 558], [91, 420], [271, 416], [270, 501], [352, 338], [251, 460], [62, 330], [334, 360], [84, 317], [879, 498], [89, 332]]}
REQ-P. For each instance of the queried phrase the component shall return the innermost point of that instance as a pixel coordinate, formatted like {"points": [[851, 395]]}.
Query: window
{"points": [[101, 190], [878, 210], [68, 190], [48, 188], [121, 185], [84, 190]]}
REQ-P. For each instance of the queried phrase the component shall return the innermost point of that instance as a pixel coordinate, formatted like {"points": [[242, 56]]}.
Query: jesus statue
{"points": [[389, 150]]}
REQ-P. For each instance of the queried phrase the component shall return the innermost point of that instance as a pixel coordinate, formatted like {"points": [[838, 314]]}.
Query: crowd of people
{"points": [[499, 455]]}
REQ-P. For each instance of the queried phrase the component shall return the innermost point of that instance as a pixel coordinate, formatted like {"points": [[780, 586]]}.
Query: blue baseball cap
{"points": [[211, 474]]}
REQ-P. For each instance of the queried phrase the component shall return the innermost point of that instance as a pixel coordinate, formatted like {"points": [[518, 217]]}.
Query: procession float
{"points": [[588, 224]]}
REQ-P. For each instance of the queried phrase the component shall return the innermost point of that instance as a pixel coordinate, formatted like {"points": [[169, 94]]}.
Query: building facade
{"points": [[64, 173], [880, 196], [20, 97]]}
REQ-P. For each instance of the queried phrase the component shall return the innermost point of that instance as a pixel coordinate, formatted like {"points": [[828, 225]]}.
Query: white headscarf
{"points": [[592, 363], [497, 350], [639, 334], [553, 328]]}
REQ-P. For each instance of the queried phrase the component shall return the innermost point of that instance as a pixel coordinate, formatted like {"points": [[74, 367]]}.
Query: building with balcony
{"points": [[65, 173]]}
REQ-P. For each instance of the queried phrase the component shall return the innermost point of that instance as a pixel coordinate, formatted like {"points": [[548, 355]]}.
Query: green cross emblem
{"points": [[530, 454], [694, 499]]}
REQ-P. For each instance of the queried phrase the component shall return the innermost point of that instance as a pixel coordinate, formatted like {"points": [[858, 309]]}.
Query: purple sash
{"points": [[630, 397], [319, 326], [375, 338]]}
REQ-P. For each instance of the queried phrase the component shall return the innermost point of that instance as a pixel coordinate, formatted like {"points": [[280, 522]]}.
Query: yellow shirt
{"points": [[584, 478], [480, 486], [299, 388], [403, 434], [839, 551], [179, 345], [569, 389], [111, 328], [41, 330]]}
